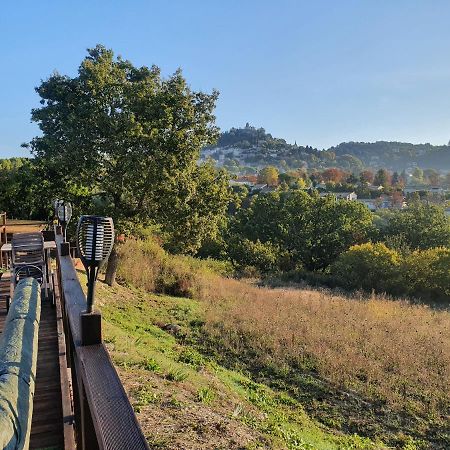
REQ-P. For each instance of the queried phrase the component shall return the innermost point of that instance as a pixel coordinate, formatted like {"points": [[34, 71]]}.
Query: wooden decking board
{"points": [[46, 425]]}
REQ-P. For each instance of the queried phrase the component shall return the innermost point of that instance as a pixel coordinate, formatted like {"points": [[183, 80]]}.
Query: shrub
{"points": [[368, 266], [427, 274], [262, 255]]}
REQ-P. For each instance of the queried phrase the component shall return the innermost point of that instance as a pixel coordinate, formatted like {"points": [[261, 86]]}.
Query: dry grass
{"points": [[387, 350], [145, 264], [385, 364]]}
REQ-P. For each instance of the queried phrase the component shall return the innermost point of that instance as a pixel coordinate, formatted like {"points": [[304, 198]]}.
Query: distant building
{"points": [[346, 195], [383, 202], [258, 187], [411, 189], [369, 202], [340, 195], [241, 183]]}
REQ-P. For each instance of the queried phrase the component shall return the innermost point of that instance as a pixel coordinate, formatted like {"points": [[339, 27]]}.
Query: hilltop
{"points": [[252, 148]]}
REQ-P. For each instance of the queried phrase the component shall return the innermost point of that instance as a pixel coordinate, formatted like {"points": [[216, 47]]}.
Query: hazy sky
{"points": [[318, 72]]}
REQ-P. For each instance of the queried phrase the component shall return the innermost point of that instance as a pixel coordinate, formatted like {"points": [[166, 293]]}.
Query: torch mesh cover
{"points": [[104, 238], [64, 212]]}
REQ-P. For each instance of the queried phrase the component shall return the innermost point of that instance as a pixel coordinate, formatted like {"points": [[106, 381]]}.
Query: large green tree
{"points": [[421, 226], [24, 189], [130, 139], [312, 230]]}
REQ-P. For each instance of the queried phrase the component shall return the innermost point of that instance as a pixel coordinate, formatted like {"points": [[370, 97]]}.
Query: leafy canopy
{"points": [[132, 139], [313, 231]]}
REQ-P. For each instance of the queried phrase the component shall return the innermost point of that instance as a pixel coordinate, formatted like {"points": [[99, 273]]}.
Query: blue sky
{"points": [[318, 72]]}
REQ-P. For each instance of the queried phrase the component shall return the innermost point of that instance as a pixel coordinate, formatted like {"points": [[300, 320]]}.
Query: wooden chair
{"points": [[28, 260]]}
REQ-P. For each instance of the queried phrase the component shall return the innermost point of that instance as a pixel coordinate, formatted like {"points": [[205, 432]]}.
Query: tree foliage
{"points": [[131, 140], [268, 175], [368, 266], [313, 231], [422, 226]]}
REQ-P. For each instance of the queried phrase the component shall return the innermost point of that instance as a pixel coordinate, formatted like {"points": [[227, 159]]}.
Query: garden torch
{"points": [[95, 240], [64, 212]]}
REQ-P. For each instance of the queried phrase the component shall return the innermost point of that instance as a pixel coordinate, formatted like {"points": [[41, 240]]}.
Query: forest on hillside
{"points": [[254, 147]]}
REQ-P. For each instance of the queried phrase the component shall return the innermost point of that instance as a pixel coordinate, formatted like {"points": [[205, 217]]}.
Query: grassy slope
{"points": [[184, 400]]}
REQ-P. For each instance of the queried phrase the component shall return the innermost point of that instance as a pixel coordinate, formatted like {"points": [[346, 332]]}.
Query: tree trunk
{"points": [[111, 268]]}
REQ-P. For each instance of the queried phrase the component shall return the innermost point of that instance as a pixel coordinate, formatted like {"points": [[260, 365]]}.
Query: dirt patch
{"points": [[174, 420]]}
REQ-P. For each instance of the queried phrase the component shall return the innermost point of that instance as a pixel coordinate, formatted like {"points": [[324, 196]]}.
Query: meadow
{"points": [[366, 365]]}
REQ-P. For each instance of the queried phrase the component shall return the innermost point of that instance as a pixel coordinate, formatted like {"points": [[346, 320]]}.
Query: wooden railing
{"points": [[103, 416]]}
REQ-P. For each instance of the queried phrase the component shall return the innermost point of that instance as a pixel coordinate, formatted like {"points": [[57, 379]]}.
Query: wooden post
{"points": [[91, 328]]}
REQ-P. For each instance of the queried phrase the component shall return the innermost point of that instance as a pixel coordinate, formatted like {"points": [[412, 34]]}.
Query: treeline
{"points": [[337, 179], [123, 141], [22, 189], [321, 240], [397, 155]]}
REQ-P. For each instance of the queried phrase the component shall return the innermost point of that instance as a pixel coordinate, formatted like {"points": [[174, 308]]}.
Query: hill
{"points": [[253, 148], [212, 362]]}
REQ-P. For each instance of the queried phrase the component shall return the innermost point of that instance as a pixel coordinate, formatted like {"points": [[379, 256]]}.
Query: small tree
{"points": [[382, 178], [368, 266], [423, 226], [428, 274], [269, 176], [366, 176]]}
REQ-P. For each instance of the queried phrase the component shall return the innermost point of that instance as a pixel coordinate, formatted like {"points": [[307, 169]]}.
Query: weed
{"points": [[192, 357], [205, 395], [176, 375], [151, 365], [145, 397]]}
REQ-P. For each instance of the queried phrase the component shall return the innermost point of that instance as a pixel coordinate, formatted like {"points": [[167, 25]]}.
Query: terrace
{"points": [[79, 401]]}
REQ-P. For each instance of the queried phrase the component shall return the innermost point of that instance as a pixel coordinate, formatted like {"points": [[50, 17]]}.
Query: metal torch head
{"points": [[64, 212], [95, 240]]}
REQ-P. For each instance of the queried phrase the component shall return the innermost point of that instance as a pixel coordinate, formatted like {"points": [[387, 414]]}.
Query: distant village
{"points": [[383, 200], [381, 175]]}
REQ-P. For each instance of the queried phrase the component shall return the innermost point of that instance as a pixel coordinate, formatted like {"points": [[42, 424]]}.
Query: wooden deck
{"points": [[81, 404], [47, 420]]}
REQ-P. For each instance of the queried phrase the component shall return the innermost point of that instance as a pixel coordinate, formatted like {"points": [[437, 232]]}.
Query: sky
{"points": [[315, 72]]}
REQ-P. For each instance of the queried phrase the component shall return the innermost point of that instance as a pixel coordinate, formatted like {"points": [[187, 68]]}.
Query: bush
{"points": [[246, 253], [427, 274], [368, 266], [144, 263]]}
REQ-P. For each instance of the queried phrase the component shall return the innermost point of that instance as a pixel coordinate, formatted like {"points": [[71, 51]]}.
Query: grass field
{"points": [[186, 400], [287, 368]]}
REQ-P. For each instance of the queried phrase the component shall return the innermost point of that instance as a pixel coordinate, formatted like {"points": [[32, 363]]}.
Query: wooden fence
{"points": [[104, 418]]}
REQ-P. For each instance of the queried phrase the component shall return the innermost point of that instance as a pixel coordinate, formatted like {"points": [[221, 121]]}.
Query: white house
{"points": [[347, 195], [341, 195]]}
